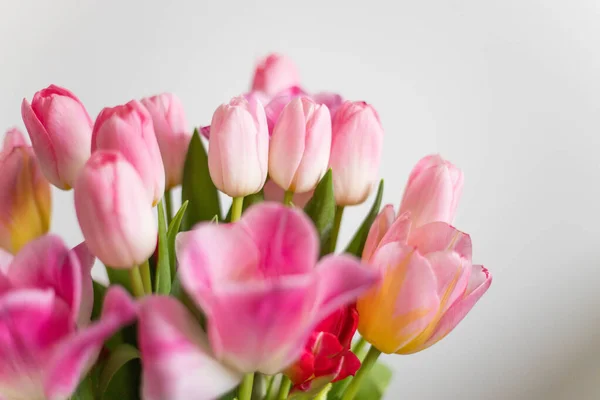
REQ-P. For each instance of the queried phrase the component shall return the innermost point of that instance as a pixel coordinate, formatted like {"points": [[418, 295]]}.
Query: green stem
{"points": [[284, 388], [288, 197], [245, 390], [366, 366], [236, 210], [137, 286], [322, 395], [270, 388], [146, 277], [339, 212], [169, 205], [359, 347]]}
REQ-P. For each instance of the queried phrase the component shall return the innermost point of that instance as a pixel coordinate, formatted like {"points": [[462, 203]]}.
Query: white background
{"points": [[507, 90]]}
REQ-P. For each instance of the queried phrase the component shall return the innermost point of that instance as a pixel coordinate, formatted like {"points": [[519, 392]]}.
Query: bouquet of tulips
{"points": [[257, 302]]}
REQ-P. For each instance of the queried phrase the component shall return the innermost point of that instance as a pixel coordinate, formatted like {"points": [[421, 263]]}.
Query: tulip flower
{"points": [[429, 283], [238, 147], [357, 140], [300, 146], [172, 346], [332, 101], [274, 74], [61, 131], [172, 134], [433, 191], [128, 129], [25, 199], [327, 356], [275, 106], [257, 283], [114, 214]]}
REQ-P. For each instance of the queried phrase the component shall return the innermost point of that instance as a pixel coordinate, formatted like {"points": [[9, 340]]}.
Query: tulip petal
{"points": [[378, 229], [452, 274], [5, 260], [86, 262], [399, 231], [75, 355], [439, 236], [176, 359]]}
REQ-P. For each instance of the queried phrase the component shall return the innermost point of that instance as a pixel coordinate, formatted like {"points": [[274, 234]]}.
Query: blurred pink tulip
{"points": [[357, 140], [429, 283], [60, 130], [300, 145], [128, 129], [172, 134], [25, 197], [238, 147], [275, 73], [114, 214], [172, 344], [433, 191], [257, 283]]}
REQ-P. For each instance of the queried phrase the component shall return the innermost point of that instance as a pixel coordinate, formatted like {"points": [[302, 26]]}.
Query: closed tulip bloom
{"points": [[332, 101], [25, 196], [128, 129], [172, 134], [433, 191], [114, 213], [61, 131], [357, 139], [238, 147], [300, 145], [274, 74], [429, 283], [260, 285], [275, 105]]}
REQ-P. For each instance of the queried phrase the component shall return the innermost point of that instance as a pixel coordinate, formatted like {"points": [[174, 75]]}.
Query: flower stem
{"points": [[137, 286], [339, 212], [236, 210], [288, 197], [169, 205], [146, 278], [359, 347], [284, 388], [245, 391], [270, 388], [366, 366]]}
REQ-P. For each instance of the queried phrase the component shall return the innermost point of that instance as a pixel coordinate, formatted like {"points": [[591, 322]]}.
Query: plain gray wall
{"points": [[507, 90]]}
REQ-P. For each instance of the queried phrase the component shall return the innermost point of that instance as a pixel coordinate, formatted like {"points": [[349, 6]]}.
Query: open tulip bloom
{"points": [[257, 302]]}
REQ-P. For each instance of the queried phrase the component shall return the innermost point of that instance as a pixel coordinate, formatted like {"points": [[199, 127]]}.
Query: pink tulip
{"points": [[41, 299], [277, 103], [429, 283], [274, 74], [172, 134], [300, 145], [25, 197], [114, 213], [357, 140], [433, 191], [257, 283], [61, 130], [238, 147], [332, 101], [272, 192], [128, 129], [176, 358]]}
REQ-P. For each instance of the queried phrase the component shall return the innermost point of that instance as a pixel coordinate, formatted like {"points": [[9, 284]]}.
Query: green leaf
{"points": [[172, 234], [122, 355], [99, 293], [197, 186], [118, 276], [374, 385], [360, 237], [321, 209], [248, 201], [162, 281], [85, 390]]}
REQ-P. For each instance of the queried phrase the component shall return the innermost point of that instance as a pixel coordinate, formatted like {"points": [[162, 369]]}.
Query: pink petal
{"points": [[176, 359], [399, 230], [452, 274], [86, 262], [5, 260], [13, 138], [439, 236], [76, 354], [378, 229]]}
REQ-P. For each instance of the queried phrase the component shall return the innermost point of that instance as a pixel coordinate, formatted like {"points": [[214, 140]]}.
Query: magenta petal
{"points": [[176, 359], [86, 262], [439, 236], [75, 355]]}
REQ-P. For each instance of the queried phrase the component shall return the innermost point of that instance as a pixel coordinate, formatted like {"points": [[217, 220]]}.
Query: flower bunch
{"points": [[254, 303]]}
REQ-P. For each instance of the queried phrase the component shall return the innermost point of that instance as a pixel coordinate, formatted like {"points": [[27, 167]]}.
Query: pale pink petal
{"points": [[176, 359], [86, 262], [399, 230], [74, 355], [452, 274], [439, 236], [13, 138], [5, 260]]}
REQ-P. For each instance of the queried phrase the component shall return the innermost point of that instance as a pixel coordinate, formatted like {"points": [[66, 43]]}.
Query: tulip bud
{"points": [[114, 214], [128, 129], [333, 101], [25, 199], [60, 130], [433, 191], [300, 145], [238, 147], [274, 74], [357, 139], [171, 133]]}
